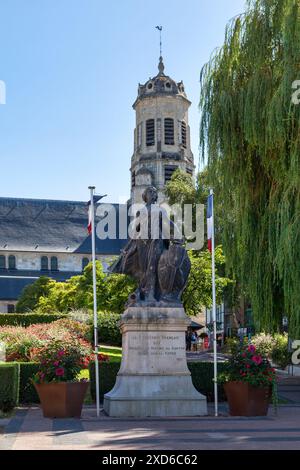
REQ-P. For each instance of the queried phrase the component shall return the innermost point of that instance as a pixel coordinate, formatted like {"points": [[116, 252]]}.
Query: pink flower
{"points": [[251, 348], [56, 363], [60, 371], [247, 365], [61, 353], [257, 360]]}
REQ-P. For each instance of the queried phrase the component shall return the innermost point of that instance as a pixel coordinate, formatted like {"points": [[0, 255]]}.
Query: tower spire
{"points": [[161, 66]]}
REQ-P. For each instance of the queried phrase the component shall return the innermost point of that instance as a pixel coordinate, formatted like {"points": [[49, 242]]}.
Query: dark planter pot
{"points": [[246, 400], [62, 399]]}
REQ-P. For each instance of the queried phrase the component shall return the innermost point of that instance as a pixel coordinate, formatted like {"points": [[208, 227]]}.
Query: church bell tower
{"points": [[161, 135]]}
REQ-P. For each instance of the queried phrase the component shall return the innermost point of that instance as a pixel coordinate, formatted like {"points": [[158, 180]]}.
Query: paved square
{"points": [[29, 430]]}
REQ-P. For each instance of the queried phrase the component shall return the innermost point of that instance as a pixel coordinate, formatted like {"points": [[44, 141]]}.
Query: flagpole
{"points": [[214, 304], [92, 190]]}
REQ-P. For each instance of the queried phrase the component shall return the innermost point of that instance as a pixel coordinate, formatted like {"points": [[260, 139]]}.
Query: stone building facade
{"points": [[161, 135], [45, 237]]}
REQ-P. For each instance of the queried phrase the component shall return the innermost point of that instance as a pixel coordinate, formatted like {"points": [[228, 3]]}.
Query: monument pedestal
{"points": [[154, 379]]}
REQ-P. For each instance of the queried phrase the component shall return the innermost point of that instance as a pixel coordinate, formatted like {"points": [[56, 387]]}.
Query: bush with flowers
{"points": [[23, 344], [248, 365], [61, 361]]}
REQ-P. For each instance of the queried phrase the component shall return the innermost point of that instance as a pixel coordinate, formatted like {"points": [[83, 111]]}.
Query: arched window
{"points": [[150, 132], [44, 263], [54, 263], [2, 262], [169, 131], [183, 134], [85, 262], [11, 262]]}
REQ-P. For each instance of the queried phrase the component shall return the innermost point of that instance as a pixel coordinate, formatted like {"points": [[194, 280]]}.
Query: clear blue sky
{"points": [[72, 68]]}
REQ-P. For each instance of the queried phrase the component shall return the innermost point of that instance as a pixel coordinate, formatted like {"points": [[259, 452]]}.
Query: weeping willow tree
{"points": [[250, 138]]}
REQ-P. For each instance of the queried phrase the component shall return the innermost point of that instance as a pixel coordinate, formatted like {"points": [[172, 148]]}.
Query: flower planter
{"points": [[62, 399], [246, 400]]}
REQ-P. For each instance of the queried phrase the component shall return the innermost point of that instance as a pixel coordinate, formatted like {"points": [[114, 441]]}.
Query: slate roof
{"points": [[13, 282], [42, 225]]}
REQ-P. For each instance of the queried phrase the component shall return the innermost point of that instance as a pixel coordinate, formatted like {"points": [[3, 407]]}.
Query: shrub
{"points": [[108, 329], [26, 319], [264, 343], [24, 344], [9, 386], [27, 392], [62, 361], [107, 377], [202, 377], [281, 356]]}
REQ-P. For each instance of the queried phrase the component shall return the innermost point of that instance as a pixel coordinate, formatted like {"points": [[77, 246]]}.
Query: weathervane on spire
{"points": [[161, 66], [160, 30]]}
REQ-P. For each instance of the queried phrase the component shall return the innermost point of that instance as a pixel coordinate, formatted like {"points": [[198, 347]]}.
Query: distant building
{"points": [[161, 135], [44, 237]]}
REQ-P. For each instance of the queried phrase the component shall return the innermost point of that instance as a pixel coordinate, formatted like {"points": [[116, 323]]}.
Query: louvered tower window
{"points": [[183, 134], [169, 170], [169, 131], [150, 132]]}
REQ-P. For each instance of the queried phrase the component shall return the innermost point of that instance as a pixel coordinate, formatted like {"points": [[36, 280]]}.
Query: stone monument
{"points": [[154, 379]]}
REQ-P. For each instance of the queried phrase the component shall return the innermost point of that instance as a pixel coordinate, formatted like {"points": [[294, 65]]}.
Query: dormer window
{"points": [[150, 132], [168, 85], [169, 131], [150, 86]]}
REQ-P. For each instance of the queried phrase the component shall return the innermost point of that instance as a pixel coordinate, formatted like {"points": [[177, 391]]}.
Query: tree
{"points": [[198, 293], [32, 293], [181, 189], [47, 295], [250, 134]]}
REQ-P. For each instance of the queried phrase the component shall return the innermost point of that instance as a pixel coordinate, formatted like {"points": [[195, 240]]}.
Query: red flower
{"points": [[60, 371], [251, 348], [257, 360], [61, 353], [56, 363]]}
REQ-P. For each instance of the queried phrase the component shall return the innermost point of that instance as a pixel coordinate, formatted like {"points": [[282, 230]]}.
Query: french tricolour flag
{"points": [[210, 202], [89, 227]]}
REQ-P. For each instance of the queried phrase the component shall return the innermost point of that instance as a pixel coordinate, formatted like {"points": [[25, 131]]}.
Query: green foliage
{"points": [[247, 365], [108, 329], [198, 292], [202, 377], [250, 134], [281, 356], [9, 386], [31, 294], [180, 189], [61, 361], [26, 319], [27, 391], [77, 293], [107, 377], [264, 343]]}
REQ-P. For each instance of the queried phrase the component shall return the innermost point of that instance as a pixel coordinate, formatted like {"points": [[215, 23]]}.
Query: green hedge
{"points": [[9, 386], [202, 377], [27, 391], [26, 319], [108, 329], [107, 377]]}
